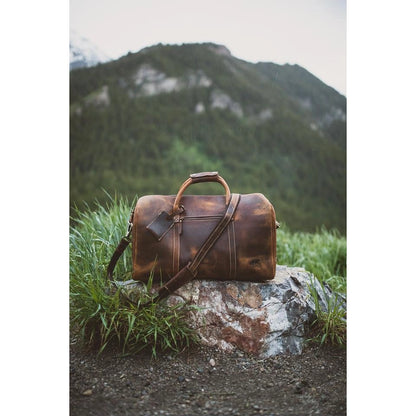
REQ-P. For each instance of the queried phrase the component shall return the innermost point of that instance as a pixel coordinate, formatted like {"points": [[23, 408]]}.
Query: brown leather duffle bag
{"points": [[183, 237]]}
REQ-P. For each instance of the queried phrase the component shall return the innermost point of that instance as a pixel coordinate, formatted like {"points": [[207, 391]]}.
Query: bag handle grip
{"points": [[197, 178]]}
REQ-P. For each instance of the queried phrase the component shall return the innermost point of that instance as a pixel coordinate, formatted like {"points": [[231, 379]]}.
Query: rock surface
{"points": [[153, 82], [264, 319]]}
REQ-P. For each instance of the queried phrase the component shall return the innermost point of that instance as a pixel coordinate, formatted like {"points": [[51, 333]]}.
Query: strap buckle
{"points": [[128, 231], [129, 225]]}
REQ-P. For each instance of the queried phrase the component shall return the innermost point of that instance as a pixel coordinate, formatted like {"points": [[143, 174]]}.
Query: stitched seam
{"points": [[235, 249], [273, 232], [204, 218], [178, 247], [200, 219], [135, 244], [229, 253], [173, 251]]}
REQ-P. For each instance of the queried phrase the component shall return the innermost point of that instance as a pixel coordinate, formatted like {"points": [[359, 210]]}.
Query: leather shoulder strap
{"points": [[122, 245], [189, 272]]}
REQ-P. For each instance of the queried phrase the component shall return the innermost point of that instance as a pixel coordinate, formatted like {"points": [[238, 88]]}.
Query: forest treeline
{"points": [[288, 142]]}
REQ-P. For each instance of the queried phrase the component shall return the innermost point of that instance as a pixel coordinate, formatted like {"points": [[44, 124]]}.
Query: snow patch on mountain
{"points": [[84, 53]]}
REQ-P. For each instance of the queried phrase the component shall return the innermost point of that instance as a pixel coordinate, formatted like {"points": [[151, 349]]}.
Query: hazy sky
{"points": [[311, 33]]}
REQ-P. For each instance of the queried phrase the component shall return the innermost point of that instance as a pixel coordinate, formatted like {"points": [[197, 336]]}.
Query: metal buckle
{"points": [[180, 211], [129, 224], [129, 228]]}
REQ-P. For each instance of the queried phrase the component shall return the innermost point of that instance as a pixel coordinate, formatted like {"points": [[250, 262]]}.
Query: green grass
{"points": [[99, 313], [102, 318], [324, 254], [330, 326]]}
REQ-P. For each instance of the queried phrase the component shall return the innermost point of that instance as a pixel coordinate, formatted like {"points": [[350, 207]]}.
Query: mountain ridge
{"points": [[83, 53], [266, 127]]}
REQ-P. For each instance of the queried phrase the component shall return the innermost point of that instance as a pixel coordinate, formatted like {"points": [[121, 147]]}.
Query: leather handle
{"points": [[197, 178], [203, 177]]}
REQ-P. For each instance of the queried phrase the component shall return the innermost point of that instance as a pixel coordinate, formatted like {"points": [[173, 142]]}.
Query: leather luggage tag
{"points": [[161, 225]]}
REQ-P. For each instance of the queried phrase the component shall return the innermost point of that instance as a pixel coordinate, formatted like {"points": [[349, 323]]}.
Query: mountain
{"points": [[83, 53], [141, 124]]}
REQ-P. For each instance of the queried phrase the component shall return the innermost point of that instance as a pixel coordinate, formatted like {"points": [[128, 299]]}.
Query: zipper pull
{"points": [[179, 221]]}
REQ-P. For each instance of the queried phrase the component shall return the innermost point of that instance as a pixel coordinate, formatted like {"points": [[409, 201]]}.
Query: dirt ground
{"points": [[206, 381]]}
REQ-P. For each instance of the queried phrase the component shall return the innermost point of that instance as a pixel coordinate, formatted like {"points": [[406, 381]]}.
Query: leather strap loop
{"points": [[197, 178]]}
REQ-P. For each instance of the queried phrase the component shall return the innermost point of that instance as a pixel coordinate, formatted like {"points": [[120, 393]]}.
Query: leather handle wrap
{"points": [[203, 176], [198, 178]]}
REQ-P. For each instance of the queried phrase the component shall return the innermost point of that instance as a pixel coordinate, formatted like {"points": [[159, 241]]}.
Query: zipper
{"points": [[180, 220], [201, 218]]}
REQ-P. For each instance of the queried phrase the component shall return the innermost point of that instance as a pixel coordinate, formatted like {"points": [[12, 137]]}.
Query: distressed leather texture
{"points": [[169, 230]]}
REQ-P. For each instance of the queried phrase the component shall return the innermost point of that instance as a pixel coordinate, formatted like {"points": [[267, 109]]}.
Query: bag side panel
{"points": [[255, 229]]}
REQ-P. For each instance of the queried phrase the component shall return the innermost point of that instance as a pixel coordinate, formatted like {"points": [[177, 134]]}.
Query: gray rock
{"points": [[151, 81], [265, 319], [223, 101]]}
